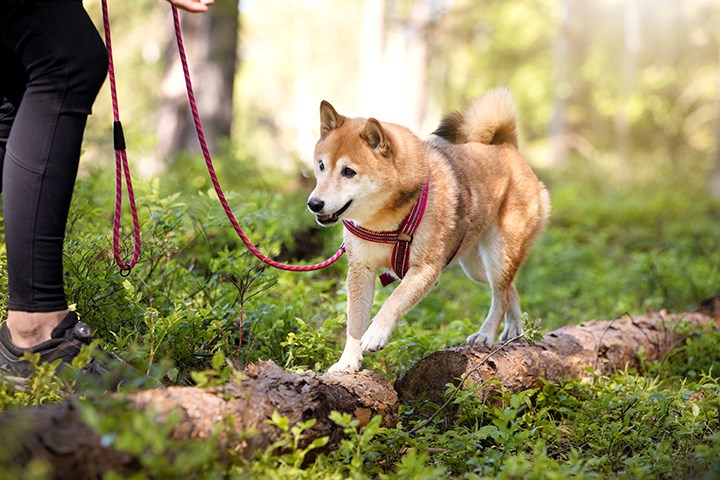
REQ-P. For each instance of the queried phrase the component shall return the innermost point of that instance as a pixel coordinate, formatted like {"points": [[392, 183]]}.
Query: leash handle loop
{"points": [[121, 161]]}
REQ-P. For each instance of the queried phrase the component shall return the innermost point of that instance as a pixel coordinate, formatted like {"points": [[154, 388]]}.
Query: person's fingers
{"points": [[195, 6]]}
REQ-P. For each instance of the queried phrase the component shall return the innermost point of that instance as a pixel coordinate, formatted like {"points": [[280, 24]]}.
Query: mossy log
{"points": [[57, 435], [576, 351]]}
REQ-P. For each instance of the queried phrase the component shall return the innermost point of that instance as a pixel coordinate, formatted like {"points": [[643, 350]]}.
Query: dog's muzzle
{"points": [[316, 205]]}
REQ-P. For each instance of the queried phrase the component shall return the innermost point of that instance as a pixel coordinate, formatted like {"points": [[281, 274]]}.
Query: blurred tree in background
{"points": [[627, 87], [211, 41]]}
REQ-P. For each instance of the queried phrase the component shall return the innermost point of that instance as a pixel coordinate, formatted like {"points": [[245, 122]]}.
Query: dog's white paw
{"points": [[511, 331], [375, 338], [480, 339], [345, 365]]}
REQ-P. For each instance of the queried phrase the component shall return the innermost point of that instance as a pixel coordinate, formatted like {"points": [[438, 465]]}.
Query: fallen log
{"points": [[575, 351], [57, 435]]}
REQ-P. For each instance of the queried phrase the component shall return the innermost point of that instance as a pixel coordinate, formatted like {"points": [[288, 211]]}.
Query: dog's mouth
{"points": [[332, 218]]}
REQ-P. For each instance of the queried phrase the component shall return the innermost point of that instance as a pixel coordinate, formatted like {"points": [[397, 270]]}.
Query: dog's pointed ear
{"points": [[376, 137], [329, 119]]}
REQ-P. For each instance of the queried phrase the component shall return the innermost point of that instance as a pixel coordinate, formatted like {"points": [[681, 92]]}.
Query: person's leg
{"points": [[12, 87], [65, 64], [7, 115]]}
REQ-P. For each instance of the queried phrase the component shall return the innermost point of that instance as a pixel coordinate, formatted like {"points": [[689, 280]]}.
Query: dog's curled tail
{"points": [[490, 119]]}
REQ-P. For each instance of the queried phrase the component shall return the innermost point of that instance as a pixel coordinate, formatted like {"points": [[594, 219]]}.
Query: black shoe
{"points": [[67, 339]]}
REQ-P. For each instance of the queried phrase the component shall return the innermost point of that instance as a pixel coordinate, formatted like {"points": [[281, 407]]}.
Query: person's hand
{"points": [[192, 5]]}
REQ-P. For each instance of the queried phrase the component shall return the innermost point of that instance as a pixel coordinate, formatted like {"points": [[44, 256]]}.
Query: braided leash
{"points": [[121, 161], [121, 165], [213, 176]]}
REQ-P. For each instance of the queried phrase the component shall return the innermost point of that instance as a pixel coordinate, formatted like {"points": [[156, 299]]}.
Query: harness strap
{"points": [[401, 238]]}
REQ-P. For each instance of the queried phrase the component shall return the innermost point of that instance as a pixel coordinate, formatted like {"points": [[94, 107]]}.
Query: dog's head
{"points": [[353, 168]]}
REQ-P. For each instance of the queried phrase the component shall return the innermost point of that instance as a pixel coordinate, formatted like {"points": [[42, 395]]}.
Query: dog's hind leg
{"points": [[499, 274], [487, 333], [473, 267], [513, 325]]}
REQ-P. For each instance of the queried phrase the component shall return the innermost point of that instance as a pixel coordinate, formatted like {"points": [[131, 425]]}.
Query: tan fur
{"points": [[484, 201]]}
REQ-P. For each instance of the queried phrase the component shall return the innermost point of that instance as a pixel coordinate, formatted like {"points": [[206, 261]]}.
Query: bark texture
{"points": [[564, 353], [57, 434]]}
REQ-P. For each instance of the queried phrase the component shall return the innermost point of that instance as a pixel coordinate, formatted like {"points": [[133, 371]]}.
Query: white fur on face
{"points": [[336, 190]]}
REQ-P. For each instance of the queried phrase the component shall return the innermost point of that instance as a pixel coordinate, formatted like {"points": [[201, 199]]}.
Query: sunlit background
{"points": [[628, 87]]}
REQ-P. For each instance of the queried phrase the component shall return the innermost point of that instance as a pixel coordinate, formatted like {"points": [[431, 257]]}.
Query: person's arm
{"points": [[192, 5]]}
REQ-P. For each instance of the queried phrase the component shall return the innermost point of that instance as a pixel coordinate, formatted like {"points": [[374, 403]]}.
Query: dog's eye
{"points": [[321, 166], [348, 172]]}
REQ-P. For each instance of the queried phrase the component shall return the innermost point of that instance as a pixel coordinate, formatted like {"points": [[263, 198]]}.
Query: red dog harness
{"points": [[402, 238]]}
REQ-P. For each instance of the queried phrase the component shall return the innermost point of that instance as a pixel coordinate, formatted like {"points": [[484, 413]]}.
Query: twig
{"points": [[599, 342]]}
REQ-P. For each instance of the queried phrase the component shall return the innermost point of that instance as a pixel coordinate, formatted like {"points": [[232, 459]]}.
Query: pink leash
{"points": [[211, 170], [121, 161]]}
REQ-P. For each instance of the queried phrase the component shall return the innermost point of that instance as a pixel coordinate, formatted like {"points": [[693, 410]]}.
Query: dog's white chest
{"points": [[374, 255]]}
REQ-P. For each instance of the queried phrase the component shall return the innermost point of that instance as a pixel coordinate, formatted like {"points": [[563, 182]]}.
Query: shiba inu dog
{"points": [[411, 207]]}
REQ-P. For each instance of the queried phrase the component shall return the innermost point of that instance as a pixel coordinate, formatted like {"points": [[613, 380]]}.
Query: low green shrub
{"points": [[197, 306]]}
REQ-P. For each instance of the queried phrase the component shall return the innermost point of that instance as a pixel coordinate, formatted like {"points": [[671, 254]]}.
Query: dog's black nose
{"points": [[315, 204]]}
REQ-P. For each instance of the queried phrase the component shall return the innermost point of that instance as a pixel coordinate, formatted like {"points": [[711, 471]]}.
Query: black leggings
{"points": [[52, 65]]}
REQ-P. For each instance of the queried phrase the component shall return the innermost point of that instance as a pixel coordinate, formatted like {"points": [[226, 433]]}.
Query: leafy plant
{"points": [[198, 307]]}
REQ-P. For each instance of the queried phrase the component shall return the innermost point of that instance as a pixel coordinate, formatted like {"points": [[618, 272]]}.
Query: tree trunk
{"points": [[714, 177], [372, 54], [558, 131], [211, 44], [57, 435], [564, 353], [417, 59], [631, 50]]}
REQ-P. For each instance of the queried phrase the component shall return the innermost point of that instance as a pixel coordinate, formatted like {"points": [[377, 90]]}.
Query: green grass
{"points": [[197, 296]]}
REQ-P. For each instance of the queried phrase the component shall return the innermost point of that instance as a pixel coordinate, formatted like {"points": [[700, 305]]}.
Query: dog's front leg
{"points": [[360, 293], [414, 286]]}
